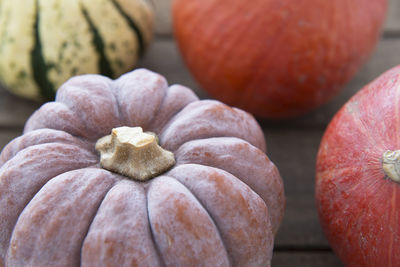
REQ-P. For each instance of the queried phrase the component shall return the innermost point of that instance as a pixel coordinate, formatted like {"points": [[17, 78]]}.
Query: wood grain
{"points": [[294, 153], [306, 259]]}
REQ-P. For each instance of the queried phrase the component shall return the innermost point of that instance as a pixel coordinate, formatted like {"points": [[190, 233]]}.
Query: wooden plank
{"points": [[163, 14], [304, 258], [300, 228], [294, 153]]}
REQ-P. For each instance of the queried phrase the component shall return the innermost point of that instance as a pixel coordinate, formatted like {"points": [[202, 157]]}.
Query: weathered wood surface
{"points": [[292, 144], [305, 259]]}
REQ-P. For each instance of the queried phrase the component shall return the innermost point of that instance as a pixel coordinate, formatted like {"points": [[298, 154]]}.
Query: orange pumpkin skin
{"points": [[358, 204], [276, 58], [220, 205]]}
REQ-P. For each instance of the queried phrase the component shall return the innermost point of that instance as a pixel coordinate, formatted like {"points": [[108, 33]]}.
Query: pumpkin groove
{"points": [[229, 213], [41, 136], [124, 212], [17, 189], [160, 257], [220, 152], [51, 214], [229, 257], [200, 212], [209, 251]]}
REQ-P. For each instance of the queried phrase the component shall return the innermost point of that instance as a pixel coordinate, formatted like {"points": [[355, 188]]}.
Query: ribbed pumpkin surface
{"points": [[45, 42], [220, 205]]}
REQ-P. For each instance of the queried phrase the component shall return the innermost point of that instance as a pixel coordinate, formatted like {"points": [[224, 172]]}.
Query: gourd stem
{"points": [[391, 164], [135, 154]]}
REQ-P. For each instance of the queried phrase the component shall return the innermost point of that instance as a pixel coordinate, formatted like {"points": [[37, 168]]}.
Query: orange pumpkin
{"points": [[276, 58], [201, 193], [357, 186]]}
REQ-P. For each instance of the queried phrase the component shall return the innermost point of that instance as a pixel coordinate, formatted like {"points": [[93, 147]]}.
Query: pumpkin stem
{"points": [[135, 154], [391, 164]]}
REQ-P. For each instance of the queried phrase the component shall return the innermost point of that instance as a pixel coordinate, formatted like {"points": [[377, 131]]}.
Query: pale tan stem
{"points": [[391, 164], [135, 154]]}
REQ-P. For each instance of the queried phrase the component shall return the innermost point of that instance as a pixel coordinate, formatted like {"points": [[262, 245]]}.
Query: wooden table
{"points": [[292, 144]]}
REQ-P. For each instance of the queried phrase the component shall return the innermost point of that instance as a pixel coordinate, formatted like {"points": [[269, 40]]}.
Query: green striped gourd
{"points": [[45, 42]]}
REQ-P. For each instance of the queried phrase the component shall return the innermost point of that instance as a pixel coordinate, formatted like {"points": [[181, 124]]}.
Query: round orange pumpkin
{"points": [[357, 185], [220, 202], [276, 58]]}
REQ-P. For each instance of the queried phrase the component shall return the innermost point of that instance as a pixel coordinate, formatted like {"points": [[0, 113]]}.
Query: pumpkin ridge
{"points": [[56, 116], [117, 179], [132, 24], [115, 91], [122, 214], [79, 178], [211, 117], [152, 237], [229, 235], [171, 107], [182, 159], [51, 143], [64, 220], [52, 136], [39, 66], [175, 192], [138, 86], [156, 113], [37, 182], [208, 213], [98, 43], [90, 98]]}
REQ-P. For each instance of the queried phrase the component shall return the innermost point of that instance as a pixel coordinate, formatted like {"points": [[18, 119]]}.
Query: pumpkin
{"points": [[276, 58], [46, 42], [178, 182], [358, 176]]}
